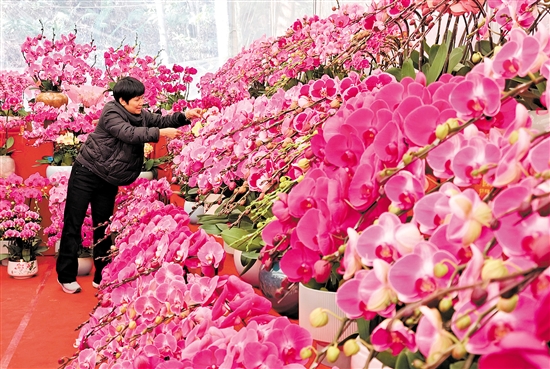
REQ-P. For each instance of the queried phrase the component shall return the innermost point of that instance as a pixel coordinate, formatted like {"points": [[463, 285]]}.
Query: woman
{"points": [[112, 156]]}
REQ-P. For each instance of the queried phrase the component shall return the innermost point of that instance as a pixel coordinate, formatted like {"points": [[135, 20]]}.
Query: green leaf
{"points": [[148, 165], [432, 54], [241, 239], [437, 63], [387, 358], [406, 358], [484, 47], [396, 72], [415, 57], [408, 69], [211, 229], [9, 142], [455, 58], [363, 327]]}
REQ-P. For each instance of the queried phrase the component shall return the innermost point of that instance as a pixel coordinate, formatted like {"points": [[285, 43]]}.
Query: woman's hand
{"points": [[170, 132], [193, 113]]}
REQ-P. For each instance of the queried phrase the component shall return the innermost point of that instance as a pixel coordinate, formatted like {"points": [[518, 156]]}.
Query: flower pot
{"points": [[191, 208], [310, 299], [270, 283], [359, 360], [4, 250], [252, 275], [541, 120], [7, 166], [147, 175], [54, 169], [52, 98], [22, 269], [85, 265]]}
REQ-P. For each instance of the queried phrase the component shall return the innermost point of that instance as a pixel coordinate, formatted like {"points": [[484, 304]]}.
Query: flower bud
{"points": [[407, 158], [477, 57], [445, 304], [459, 351], [493, 268], [158, 319], [496, 50], [333, 353], [321, 270], [318, 318], [463, 322], [440, 270], [351, 347], [507, 305], [303, 164], [119, 328], [441, 131], [479, 296], [132, 324], [335, 104], [513, 138], [306, 353]]}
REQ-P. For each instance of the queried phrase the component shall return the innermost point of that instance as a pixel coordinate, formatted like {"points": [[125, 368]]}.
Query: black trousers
{"points": [[85, 188]]}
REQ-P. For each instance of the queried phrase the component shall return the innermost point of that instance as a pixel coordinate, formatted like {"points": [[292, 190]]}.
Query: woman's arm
{"points": [[174, 120]]}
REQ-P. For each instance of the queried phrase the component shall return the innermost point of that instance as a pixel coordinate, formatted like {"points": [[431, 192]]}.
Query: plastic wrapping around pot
{"points": [[147, 175], [270, 282]]}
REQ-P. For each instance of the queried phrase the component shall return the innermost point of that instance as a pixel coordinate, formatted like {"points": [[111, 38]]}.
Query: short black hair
{"points": [[127, 88]]}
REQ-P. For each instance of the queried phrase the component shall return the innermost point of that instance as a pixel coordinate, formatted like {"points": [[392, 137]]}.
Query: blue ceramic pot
{"points": [[270, 282]]}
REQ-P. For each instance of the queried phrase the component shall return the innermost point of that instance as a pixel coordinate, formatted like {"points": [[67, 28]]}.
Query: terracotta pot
{"points": [[7, 166], [52, 98], [22, 269]]}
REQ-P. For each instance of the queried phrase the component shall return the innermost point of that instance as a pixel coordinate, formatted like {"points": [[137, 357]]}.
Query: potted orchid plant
{"points": [[20, 223]]}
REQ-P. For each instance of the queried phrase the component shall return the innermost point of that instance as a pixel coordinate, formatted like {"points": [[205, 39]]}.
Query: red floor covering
{"points": [[38, 321]]}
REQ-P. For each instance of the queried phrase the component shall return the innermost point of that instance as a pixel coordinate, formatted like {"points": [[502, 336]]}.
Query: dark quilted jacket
{"points": [[114, 151]]}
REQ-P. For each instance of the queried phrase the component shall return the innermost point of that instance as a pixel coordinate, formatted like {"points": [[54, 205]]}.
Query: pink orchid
{"points": [[517, 56], [469, 215], [351, 261], [404, 189], [387, 239], [431, 338], [517, 350], [298, 263], [475, 96], [395, 337], [414, 276]]}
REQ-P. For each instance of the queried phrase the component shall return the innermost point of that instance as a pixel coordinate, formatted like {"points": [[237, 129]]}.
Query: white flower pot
{"points": [[4, 250], [7, 166], [252, 276], [85, 265], [54, 169], [541, 120], [22, 269], [189, 207], [147, 175], [310, 299]]}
